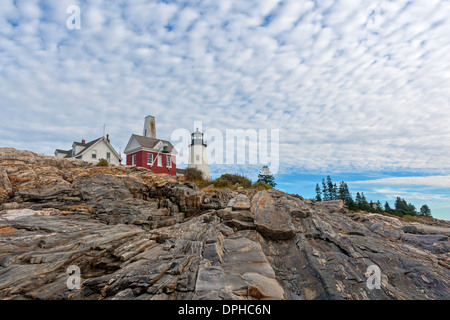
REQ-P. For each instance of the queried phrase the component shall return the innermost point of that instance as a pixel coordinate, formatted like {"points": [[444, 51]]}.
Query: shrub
{"points": [[410, 218], [259, 185], [228, 180], [203, 183], [193, 174], [102, 163]]}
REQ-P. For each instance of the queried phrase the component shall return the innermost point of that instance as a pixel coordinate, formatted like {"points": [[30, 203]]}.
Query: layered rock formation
{"points": [[137, 235]]}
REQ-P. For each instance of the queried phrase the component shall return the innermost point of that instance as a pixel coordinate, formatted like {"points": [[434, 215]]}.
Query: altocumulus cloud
{"points": [[431, 181], [347, 94]]}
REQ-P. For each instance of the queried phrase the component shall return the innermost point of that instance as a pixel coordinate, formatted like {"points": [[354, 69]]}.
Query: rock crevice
{"points": [[138, 235]]}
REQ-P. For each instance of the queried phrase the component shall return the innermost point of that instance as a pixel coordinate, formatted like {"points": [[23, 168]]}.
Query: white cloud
{"points": [[442, 181], [345, 97]]}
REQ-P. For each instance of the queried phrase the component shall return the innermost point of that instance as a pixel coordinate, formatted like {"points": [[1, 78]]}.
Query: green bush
{"points": [[228, 180], [193, 174], [410, 218], [102, 163], [259, 185], [221, 183]]}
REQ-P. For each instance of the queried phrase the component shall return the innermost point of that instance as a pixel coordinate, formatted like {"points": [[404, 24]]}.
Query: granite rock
{"points": [[138, 235]]}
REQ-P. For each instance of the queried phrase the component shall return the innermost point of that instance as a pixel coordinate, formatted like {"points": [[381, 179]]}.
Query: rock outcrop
{"points": [[138, 235]]}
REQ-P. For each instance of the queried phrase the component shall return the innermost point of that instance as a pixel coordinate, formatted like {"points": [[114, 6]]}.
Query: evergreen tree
{"points": [[266, 176], [349, 199], [372, 207], [379, 206], [351, 205], [363, 197], [358, 198], [403, 208], [344, 194], [411, 210], [318, 193], [425, 211], [325, 192], [330, 188], [364, 204], [341, 191], [335, 195], [387, 207], [400, 204]]}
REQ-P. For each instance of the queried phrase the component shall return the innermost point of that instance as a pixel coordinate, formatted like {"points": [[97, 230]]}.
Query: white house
{"points": [[92, 151]]}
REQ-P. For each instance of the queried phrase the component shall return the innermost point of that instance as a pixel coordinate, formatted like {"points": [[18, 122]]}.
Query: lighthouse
{"points": [[197, 153]]}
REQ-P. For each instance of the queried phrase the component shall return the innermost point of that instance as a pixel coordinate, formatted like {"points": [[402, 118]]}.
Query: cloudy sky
{"points": [[359, 90]]}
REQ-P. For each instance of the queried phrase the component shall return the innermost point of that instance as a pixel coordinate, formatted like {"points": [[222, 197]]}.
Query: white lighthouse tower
{"points": [[197, 153]]}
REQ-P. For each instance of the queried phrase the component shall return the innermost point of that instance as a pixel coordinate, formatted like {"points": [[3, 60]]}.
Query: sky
{"points": [[359, 90]]}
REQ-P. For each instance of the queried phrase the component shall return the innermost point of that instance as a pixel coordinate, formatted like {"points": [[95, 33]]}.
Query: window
{"points": [[159, 160], [169, 161], [197, 158], [133, 159], [108, 157], [149, 159], [94, 154]]}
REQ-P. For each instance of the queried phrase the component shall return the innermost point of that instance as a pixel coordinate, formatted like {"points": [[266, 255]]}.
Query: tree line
{"points": [[331, 191]]}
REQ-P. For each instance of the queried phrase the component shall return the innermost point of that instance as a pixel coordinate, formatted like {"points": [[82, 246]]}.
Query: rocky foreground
{"points": [[138, 235]]}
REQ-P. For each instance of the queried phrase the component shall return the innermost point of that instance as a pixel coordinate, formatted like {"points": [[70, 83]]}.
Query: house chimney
{"points": [[83, 141], [107, 138], [149, 127]]}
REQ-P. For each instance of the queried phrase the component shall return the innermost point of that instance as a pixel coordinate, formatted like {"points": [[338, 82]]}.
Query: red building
{"points": [[149, 152]]}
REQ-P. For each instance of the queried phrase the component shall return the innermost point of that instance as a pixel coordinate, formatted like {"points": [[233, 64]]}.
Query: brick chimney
{"points": [[107, 138], [149, 127], [83, 141]]}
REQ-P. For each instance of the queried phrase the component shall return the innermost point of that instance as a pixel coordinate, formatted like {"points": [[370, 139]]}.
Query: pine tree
{"points": [[372, 206], [335, 192], [341, 190], [387, 207], [325, 192], [363, 197], [364, 204], [379, 206], [400, 204], [411, 209], [266, 176], [358, 198], [344, 194], [318, 193], [330, 188], [425, 211], [404, 208]]}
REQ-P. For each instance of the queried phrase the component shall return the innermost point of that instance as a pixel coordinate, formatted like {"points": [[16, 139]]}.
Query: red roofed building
{"points": [[147, 151]]}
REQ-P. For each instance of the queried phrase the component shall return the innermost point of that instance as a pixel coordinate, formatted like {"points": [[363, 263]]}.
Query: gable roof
{"points": [[149, 143], [62, 151], [86, 146]]}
